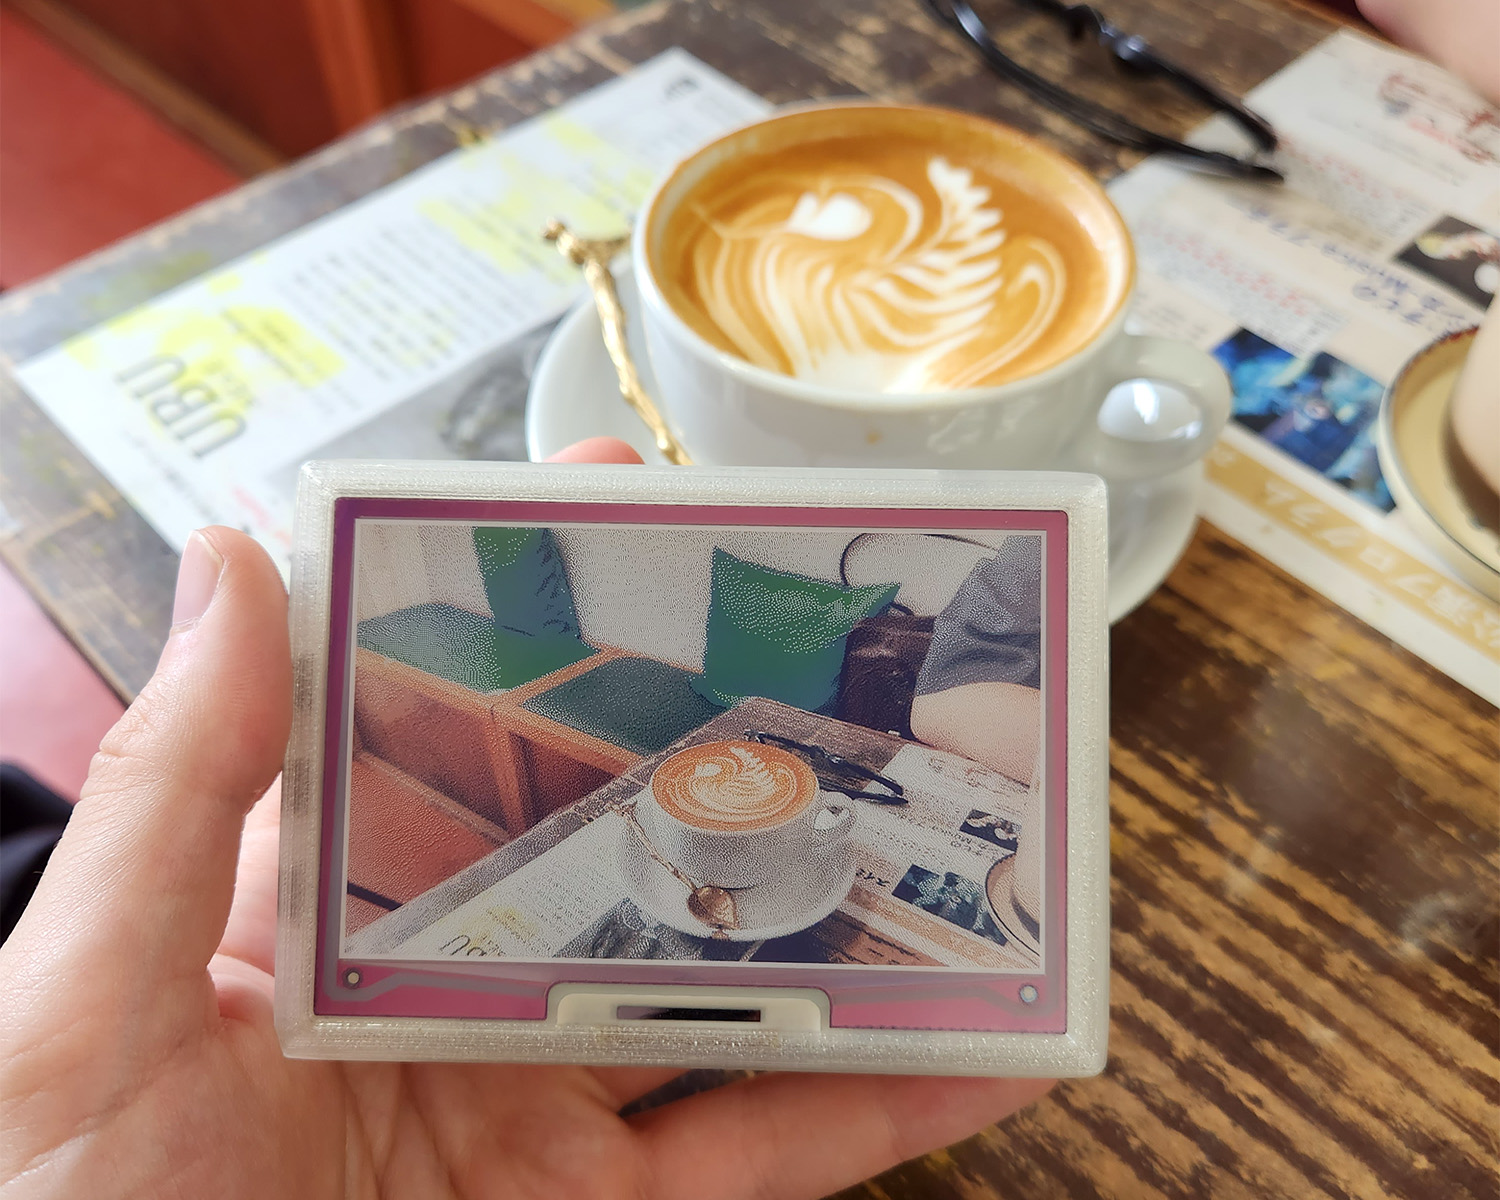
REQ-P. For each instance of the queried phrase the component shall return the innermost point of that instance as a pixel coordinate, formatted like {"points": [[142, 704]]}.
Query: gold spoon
{"points": [[594, 256], [712, 905]]}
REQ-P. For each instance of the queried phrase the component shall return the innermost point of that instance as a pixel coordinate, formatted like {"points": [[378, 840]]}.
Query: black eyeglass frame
{"points": [[1135, 54], [895, 794]]}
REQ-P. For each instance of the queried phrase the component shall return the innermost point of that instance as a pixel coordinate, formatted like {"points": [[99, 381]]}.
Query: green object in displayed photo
{"points": [[466, 648], [525, 580], [780, 635]]}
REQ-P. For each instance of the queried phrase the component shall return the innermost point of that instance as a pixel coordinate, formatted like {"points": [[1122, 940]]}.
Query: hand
{"points": [[1461, 35], [137, 1052]]}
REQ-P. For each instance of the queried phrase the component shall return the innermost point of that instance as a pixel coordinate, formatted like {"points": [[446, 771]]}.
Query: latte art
{"points": [[733, 785], [863, 281], [886, 250]]}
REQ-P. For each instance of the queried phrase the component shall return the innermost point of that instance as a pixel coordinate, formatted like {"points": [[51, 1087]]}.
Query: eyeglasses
{"points": [[1134, 55], [837, 773]]}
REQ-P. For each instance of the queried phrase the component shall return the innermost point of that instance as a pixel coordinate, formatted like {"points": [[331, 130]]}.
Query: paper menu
{"points": [[1312, 295], [538, 908], [200, 404]]}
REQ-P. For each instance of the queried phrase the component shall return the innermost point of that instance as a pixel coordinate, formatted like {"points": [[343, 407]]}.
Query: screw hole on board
{"points": [[351, 978], [1028, 994]]}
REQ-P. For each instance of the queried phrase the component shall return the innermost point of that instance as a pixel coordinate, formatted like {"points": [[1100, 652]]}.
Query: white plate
{"points": [[770, 910], [573, 396], [997, 883]]}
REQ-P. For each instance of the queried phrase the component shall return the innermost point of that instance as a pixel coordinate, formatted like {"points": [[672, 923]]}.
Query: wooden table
{"points": [[1305, 816]]}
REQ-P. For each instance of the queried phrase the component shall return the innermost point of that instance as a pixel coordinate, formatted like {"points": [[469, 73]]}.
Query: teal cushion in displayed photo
{"points": [[465, 648], [640, 704], [525, 581], [779, 635], [523, 657]]}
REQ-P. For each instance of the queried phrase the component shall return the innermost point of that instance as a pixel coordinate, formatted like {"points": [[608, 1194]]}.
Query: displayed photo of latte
{"points": [[923, 255], [733, 786], [592, 742]]}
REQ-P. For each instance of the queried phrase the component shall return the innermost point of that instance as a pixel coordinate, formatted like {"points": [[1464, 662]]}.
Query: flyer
{"points": [[406, 325], [1312, 294], [403, 325]]}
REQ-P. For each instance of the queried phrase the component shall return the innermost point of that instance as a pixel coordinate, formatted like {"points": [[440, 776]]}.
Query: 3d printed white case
{"points": [[763, 768]]}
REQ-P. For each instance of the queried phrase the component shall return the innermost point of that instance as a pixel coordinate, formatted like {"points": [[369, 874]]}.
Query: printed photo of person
{"points": [[953, 898], [990, 828], [1460, 256]]}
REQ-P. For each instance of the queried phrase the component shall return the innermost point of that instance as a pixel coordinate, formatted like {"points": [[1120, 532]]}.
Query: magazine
{"points": [[404, 325], [1313, 294]]}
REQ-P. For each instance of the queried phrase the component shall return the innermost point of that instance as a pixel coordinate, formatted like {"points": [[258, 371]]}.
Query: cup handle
{"points": [[1146, 434], [841, 827]]}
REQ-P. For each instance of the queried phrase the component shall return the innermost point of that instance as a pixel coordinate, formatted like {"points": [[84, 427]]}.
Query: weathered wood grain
{"points": [[1304, 835], [1305, 816]]}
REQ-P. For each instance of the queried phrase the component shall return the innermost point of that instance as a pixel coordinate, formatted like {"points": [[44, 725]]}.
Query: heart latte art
{"points": [[880, 267], [733, 786]]}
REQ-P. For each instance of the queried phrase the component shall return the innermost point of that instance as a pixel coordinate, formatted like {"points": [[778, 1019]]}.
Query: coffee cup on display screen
{"points": [[737, 814]]}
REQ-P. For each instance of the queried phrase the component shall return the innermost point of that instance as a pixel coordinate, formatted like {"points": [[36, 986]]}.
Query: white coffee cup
{"points": [[728, 411], [741, 858]]}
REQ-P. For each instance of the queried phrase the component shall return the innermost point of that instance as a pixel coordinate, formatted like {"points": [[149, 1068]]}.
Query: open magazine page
{"points": [[1385, 237], [403, 325]]}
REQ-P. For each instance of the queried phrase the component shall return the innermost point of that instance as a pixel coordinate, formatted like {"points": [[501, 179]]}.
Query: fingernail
{"points": [[197, 577]]}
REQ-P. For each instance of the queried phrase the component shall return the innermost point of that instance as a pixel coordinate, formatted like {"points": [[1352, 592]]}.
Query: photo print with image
{"points": [[839, 787], [1458, 255]]}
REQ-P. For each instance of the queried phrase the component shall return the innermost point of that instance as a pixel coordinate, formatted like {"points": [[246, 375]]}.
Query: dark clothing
{"points": [[991, 631], [32, 819]]}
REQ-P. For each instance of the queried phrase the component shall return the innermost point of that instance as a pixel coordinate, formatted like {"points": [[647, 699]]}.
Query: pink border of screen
{"points": [[897, 998]]}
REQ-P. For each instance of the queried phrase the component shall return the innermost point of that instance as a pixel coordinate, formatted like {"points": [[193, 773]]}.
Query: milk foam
{"points": [[725, 792], [871, 283], [731, 785]]}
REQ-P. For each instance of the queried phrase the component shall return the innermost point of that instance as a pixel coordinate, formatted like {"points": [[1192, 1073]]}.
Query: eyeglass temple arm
{"points": [[1140, 56], [960, 15], [963, 17], [835, 760]]}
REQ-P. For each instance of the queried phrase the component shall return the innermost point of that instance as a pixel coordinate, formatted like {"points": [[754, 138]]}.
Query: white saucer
{"points": [[770, 910], [1003, 906], [573, 396]]}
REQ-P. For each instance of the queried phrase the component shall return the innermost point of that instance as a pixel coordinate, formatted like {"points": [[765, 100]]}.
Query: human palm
{"points": [[137, 1051]]}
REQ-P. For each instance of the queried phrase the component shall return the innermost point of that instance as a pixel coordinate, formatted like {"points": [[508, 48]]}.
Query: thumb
{"points": [[133, 902]]}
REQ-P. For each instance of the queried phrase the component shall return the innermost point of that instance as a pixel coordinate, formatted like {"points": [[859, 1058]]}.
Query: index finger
{"points": [[597, 450]]}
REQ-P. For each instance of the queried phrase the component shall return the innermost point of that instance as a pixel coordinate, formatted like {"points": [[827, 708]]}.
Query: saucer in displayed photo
{"points": [[574, 396], [1017, 926], [813, 888]]}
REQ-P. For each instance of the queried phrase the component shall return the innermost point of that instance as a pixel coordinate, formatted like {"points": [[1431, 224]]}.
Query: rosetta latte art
{"points": [[862, 281], [729, 785]]}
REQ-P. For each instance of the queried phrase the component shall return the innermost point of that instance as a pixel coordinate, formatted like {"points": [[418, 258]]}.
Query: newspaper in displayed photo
{"points": [[934, 854], [919, 882], [538, 908], [1312, 295]]}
